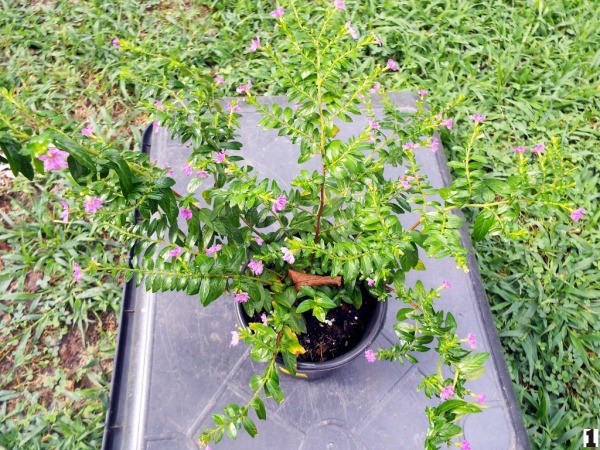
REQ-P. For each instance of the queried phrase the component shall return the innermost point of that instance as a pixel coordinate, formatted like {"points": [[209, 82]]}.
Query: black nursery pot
{"points": [[314, 370]]}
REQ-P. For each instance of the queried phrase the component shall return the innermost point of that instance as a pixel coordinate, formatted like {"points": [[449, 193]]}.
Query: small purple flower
{"points": [[220, 157], [375, 88], [244, 87], [64, 215], [447, 392], [188, 170], [254, 45], [465, 445], [351, 31], [472, 340], [202, 174], [377, 40], [477, 118], [116, 42], [404, 182], [175, 252], [92, 205], [241, 297], [422, 92], [288, 256], [259, 240], [371, 282], [448, 123], [435, 144], [577, 214], [170, 173], [256, 267], [339, 4], [539, 148], [185, 213], [263, 319], [520, 149], [370, 355], [219, 79], [446, 284], [210, 251], [158, 104], [481, 398], [374, 124], [54, 159], [278, 13], [88, 130], [280, 203], [77, 272], [392, 65], [235, 340], [233, 107], [410, 145]]}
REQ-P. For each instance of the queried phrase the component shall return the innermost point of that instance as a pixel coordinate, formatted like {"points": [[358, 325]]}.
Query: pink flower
{"points": [[93, 204], [175, 252], [410, 145], [374, 124], [288, 256], [235, 340], [185, 213], [54, 159], [220, 157], [241, 297], [465, 445], [170, 173], [370, 355], [244, 87], [371, 282], [392, 65], [477, 118], [77, 272], [263, 319], [435, 144], [339, 4], [538, 148], [210, 251], [280, 203], [278, 13], [259, 240], [520, 149], [448, 123], [375, 88], [422, 92], [446, 284], [116, 42], [158, 104], [233, 107], [65, 212], [481, 399], [202, 174], [254, 45], [188, 170], [577, 214], [351, 31], [219, 79], [88, 130], [404, 182], [377, 40], [447, 392], [256, 267], [472, 340]]}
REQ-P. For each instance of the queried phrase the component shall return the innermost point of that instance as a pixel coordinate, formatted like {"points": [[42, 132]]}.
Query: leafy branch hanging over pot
{"points": [[286, 255]]}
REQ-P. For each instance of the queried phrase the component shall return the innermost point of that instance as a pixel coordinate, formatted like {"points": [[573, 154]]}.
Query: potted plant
{"points": [[331, 247]]}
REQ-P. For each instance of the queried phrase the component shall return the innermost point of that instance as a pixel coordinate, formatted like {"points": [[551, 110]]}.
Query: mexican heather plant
{"points": [[339, 221]]}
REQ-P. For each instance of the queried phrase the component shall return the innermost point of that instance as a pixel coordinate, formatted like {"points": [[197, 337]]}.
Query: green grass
{"points": [[531, 66]]}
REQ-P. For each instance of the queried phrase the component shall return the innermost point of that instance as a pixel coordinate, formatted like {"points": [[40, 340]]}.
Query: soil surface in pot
{"points": [[342, 331]]}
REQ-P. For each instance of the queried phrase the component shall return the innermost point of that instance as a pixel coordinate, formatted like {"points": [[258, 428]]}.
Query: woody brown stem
{"points": [[304, 279]]}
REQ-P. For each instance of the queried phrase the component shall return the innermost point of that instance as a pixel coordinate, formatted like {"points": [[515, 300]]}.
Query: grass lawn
{"points": [[531, 66]]}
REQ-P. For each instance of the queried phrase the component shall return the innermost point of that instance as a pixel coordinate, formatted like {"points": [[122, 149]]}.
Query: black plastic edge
{"points": [[118, 385], [516, 415]]}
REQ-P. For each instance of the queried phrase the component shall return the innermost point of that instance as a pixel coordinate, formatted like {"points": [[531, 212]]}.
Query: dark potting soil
{"points": [[342, 330]]}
